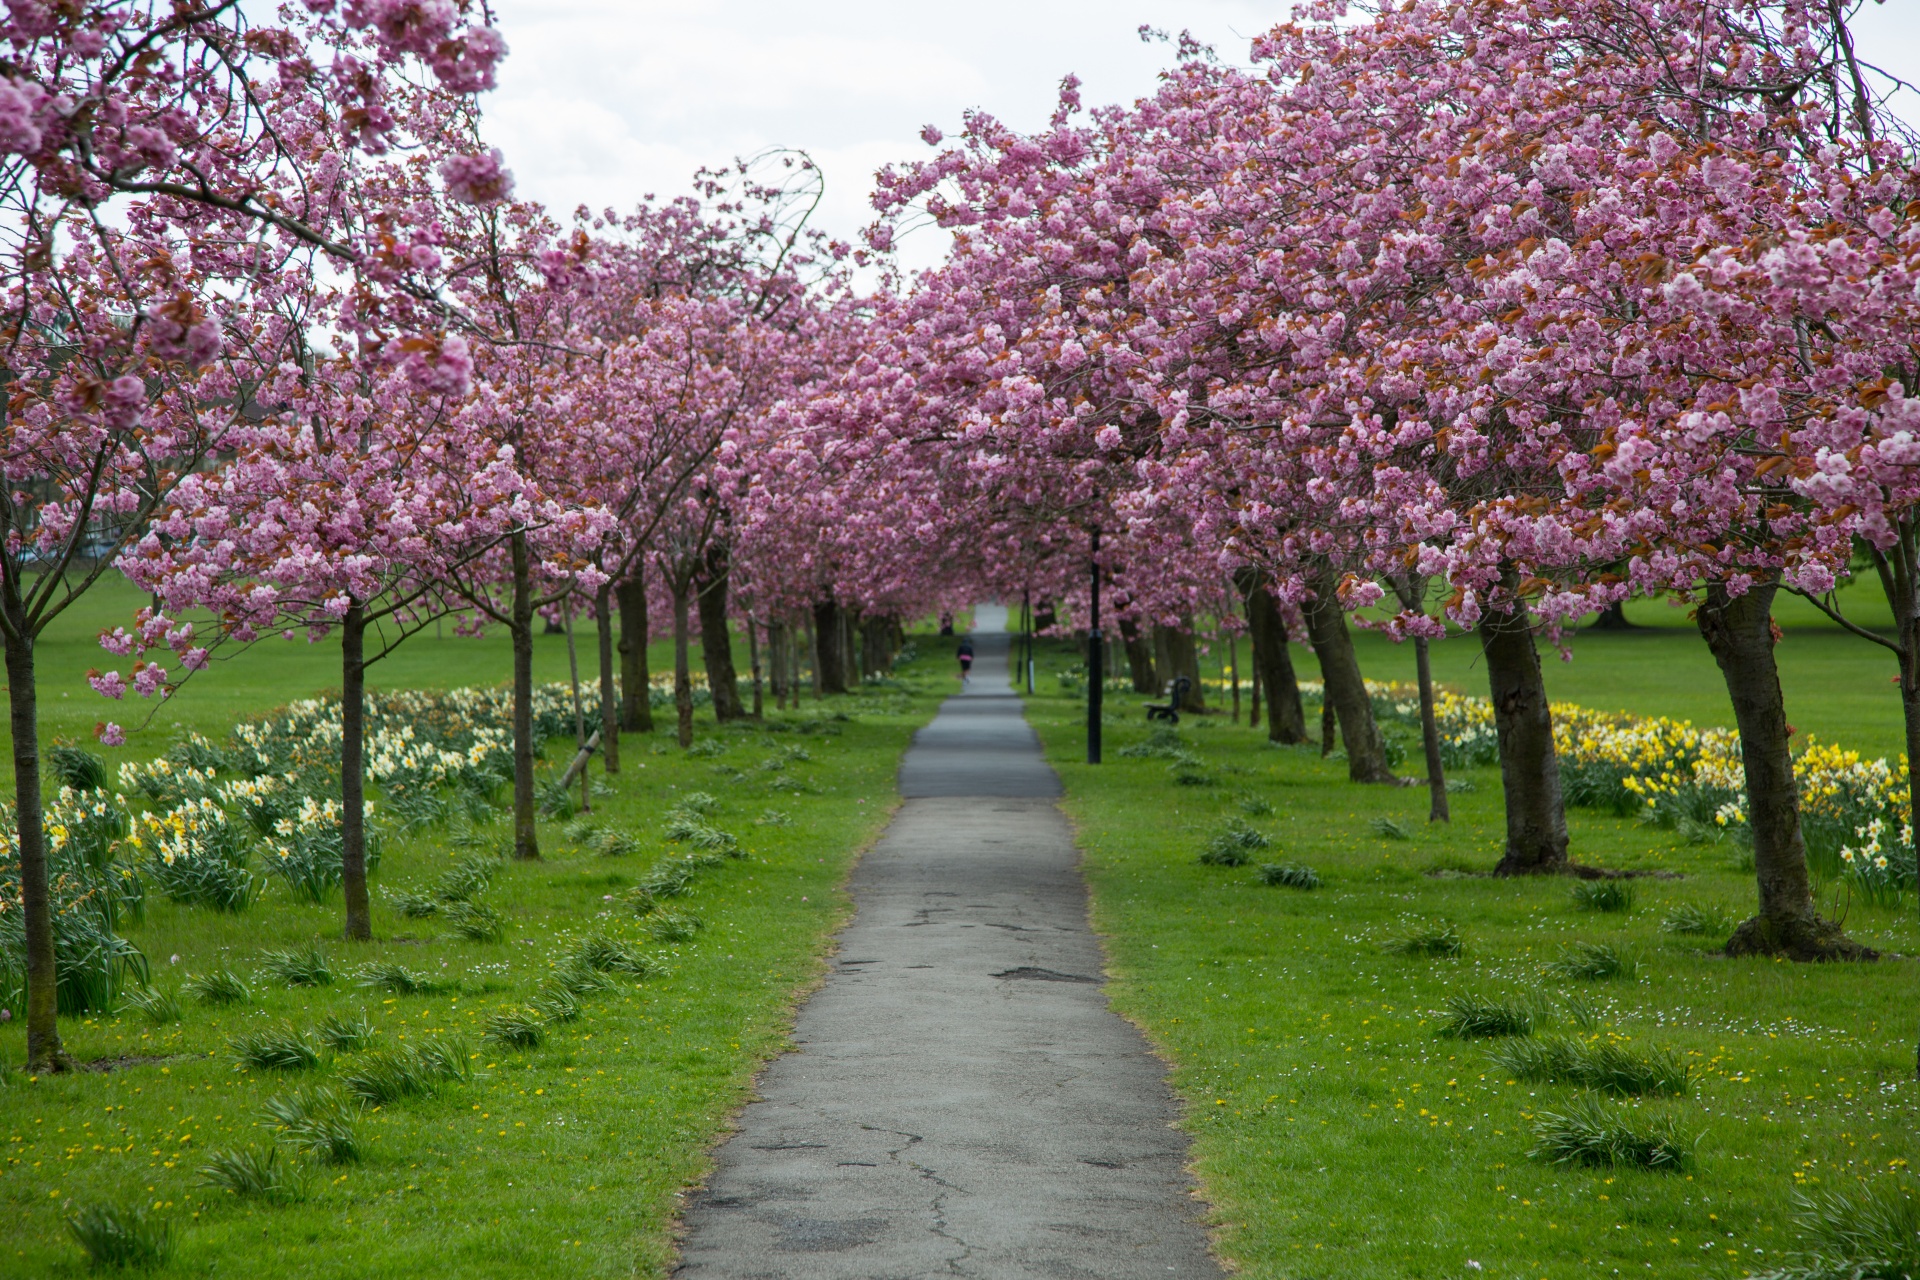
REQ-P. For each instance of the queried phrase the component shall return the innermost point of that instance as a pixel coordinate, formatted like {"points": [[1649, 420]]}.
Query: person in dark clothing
{"points": [[966, 659]]}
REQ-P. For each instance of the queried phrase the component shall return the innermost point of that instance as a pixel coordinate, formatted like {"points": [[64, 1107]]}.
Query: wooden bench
{"points": [[1170, 709]]}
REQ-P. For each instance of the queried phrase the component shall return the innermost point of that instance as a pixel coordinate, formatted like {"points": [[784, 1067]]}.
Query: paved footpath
{"points": [[962, 1101]]}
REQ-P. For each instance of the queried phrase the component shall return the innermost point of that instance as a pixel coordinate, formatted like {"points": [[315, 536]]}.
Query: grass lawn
{"points": [[1337, 1134], [562, 1159]]}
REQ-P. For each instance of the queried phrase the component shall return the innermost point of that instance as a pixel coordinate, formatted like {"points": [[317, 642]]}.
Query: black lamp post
{"points": [[1096, 661]]}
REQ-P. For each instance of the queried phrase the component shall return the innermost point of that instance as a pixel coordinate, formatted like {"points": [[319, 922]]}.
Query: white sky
{"points": [[603, 101]]}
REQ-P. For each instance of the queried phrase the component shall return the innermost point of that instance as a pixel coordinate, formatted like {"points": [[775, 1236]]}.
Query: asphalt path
{"points": [[961, 1100]]}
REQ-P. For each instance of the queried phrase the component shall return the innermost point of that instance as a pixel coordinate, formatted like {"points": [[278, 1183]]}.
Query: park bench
{"points": [[1170, 709]]}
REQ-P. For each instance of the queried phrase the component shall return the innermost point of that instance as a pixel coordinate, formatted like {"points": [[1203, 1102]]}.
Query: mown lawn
{"points": [[1338, 1135], [563, 1159]]}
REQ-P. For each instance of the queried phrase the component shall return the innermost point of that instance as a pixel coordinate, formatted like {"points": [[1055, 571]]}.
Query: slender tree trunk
{"points": [[1344, 689], [1329, 723], [1905, 597], [1273, 674], [1139, 659], [353, 773], [1529, 767], [636, 682], [777, 663], [753, 662], [44, 1051], [1233, 669], [716, 638], [829, 657], [526, 838], [1163, 671], [579, 707], [813, 659], [1739, 631], [1253, 714], [682, 673], [1043, 616], [609, 705], [1438, 810]]}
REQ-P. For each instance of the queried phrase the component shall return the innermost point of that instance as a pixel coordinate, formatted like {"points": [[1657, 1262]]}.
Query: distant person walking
{"points": [[966, 660]]}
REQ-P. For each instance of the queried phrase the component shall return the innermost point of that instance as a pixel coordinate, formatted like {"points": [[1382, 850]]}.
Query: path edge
{"points": [[801, 992]]}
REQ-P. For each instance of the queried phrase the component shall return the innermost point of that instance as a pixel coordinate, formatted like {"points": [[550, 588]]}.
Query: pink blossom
{"points": [[477, 179], [109, 734], [149, 679], [111, 685]]}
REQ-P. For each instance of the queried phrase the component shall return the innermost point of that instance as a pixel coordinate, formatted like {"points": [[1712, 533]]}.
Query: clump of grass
{"points": [[687, 828], [581, 830], [1693, 918], [1288, 875], [668, 878], [445, 1057], [774, 818], [308, 968], [577, 978], [1190, 773], [557, 1005], [157, 1007], [1233, 845], [1580, 1012], [613, 955], [1603, 895], [612, 844], [387, 1075], [701, 802], [277, 1049], [1871, 1233], [1593, 961], [1590, 1132], [1163, 742], [318, 1123], [1390, 829], [1472, 1017], [475, 921], [471, 875], [129, 1239], [345, 1033], [1426, 938], [253, 1175], [414, 906], [642, 900], [217, 986], [1254, 806], [1604, 1067], [385, 975], [673, 926], [555, 801], [515, 1029], [77, 767]]}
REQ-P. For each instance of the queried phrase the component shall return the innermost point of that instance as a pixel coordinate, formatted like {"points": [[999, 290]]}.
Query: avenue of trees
{"points": [[1486, 314]]}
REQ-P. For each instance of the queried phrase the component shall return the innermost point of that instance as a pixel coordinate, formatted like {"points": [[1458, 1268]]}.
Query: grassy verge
{"points": [[1339, 1133], [566, 1158]]}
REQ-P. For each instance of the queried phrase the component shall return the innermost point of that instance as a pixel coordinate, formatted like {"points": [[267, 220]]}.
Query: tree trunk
{"points": [[830, 657], [636, 682], [609, 705], [1905, 598], [1344, 689], [1438, 810], [813, 657], [1273, 676], [753, 663], [1233, 670], [1163, 671], [44, 1051], [1184, 654], [1253, 713], [682, 672], [1739, 631], [777, 663], [1139, 659], [1529, 768], [1043, 616], [716, 640], [1612, 618], [526, 839], [579, 709], [353, 773]]}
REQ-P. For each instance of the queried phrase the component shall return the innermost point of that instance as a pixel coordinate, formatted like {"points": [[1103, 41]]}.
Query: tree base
{"points": [[51, 1064], [1801, 938]]}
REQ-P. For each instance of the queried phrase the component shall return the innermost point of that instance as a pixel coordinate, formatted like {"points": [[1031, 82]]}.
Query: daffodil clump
{"points": [[1855, 812], [92, 892]]}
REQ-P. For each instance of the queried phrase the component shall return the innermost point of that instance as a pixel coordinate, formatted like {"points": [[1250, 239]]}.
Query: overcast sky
{"points": [[604, 101]]}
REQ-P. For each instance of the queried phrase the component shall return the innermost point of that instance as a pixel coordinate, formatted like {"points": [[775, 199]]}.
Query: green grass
{"points": [[1338, 1133], [478, 1159]]}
